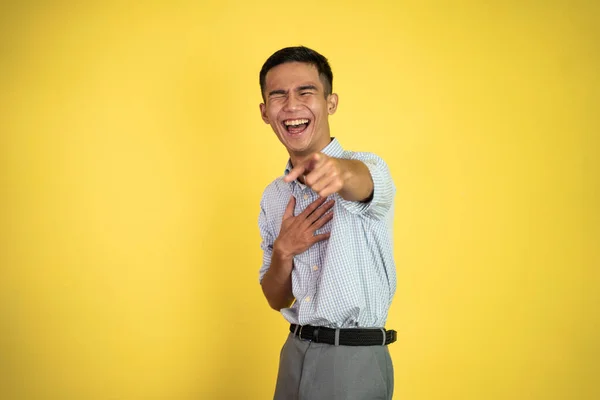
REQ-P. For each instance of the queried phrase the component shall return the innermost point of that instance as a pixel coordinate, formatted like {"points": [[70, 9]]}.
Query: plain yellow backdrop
{"points": [[133, 158]]}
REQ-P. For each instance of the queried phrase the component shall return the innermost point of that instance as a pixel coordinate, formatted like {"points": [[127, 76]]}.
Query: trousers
{"points": [[315, 371]]}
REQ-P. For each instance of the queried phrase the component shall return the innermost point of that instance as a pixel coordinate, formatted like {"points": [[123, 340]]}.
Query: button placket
{"points": [[304, 199]]}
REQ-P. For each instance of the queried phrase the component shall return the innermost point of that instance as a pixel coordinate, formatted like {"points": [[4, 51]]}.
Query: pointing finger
{"points": [[294, 174]]}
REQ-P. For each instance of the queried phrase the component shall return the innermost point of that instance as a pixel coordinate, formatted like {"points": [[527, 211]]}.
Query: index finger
{"points": [[294, 174], [313, 206]]}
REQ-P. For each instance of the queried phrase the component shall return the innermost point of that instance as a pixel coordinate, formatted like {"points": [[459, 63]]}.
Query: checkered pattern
{"points": [[348, 280]]}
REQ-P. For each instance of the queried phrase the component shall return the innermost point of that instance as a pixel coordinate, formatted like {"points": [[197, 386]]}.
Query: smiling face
{"points": [[297, 108]]}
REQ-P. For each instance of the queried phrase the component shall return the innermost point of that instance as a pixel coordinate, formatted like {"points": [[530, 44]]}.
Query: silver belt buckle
{"points": [[300, 335]]}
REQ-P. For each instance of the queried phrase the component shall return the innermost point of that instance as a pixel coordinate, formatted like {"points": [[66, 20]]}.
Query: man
{"points": [[326, 229]]}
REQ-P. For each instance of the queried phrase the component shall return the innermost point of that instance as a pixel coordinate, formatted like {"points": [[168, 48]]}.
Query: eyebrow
{"points": [[299, 89], [307, 87]]}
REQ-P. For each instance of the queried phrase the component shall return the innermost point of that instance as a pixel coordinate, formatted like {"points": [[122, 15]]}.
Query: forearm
{"points": [[358, 184], [277, 282]]}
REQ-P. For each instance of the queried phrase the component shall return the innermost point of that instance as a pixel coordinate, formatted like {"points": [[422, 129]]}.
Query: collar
{"points": [[333, 149]]}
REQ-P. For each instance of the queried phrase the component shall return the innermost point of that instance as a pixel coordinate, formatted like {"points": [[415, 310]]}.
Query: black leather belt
{"points": [[344, 337]]}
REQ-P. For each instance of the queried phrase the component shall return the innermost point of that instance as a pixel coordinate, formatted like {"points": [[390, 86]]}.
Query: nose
{"points": [[291, 103]]}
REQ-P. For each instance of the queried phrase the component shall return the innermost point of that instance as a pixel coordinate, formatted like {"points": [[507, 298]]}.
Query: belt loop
{"points": [[383, 331], [337, 336], [295, 330]]}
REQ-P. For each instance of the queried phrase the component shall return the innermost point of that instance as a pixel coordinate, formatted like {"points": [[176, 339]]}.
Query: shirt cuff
{"points": [[380, 202]]}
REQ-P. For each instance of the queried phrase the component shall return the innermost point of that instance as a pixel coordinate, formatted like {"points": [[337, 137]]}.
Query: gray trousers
{"points": [[315, 371]]}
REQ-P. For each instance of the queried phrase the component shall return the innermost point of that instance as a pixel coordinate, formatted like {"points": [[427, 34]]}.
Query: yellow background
{"points": [[133, 157]]}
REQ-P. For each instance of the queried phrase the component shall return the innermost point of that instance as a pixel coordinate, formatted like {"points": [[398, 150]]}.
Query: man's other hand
{"points": [[297, 233]]}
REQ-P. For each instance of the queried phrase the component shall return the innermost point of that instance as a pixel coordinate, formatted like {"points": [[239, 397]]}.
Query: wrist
{"points": [[281, 254], [346, 172]]}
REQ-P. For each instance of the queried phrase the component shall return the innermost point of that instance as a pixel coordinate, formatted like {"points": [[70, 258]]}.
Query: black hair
{"points": [[298, 54]]}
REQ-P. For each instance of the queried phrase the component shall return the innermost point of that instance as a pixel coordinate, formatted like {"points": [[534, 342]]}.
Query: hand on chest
{"points": [[305, 197]]}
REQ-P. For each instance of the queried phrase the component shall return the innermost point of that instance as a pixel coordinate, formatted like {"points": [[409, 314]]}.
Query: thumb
{"points": [[289, 210], [314, 162], [317, 158]]}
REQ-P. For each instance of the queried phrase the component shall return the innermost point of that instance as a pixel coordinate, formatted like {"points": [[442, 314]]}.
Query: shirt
{"points": [[349, 279]]}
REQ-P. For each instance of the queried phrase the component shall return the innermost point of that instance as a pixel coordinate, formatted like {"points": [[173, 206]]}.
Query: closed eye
{"points": [[277, 94], [305, 90]]}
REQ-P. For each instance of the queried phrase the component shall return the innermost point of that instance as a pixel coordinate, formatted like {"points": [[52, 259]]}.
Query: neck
{"points": [[301, 158], [297, 159]]}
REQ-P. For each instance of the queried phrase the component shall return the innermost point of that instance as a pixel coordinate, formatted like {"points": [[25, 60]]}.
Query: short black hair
{"points": [[298, 54]]}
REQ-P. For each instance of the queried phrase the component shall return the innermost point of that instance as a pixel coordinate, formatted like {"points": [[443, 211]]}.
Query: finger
{"points": [[332, 187], [294, 173], [320, 211], [315, 166], [315, 178], [312, 207], [316, 160], [322, 236], [322, 221], [289, 210], [321, 183], [326, 173]]}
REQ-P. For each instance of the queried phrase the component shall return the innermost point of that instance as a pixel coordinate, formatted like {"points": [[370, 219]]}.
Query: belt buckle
{"points": [[300, 335]]}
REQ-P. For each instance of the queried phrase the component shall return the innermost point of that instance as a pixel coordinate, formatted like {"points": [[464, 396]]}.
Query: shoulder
{"points": [[363, 156], [275, 187]]}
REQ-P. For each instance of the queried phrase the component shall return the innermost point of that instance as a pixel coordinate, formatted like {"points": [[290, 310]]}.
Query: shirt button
{"points": [[315, 268], [305, 197], [307, 299]]}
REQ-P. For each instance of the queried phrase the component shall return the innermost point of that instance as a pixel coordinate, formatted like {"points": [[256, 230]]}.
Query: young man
{"points": [[326, 228]]}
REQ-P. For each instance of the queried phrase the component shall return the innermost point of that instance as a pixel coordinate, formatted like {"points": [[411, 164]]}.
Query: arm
{"points": [[357, 184], [327, 175], [363, 182], [277, 281], [296, 235]]}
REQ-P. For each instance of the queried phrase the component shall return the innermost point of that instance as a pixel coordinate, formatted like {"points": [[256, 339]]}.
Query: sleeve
{"points": [[384, 189], [267, 239]]}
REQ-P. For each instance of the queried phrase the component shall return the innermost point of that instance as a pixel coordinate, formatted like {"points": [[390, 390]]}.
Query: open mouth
{"points": [[296, 126]]}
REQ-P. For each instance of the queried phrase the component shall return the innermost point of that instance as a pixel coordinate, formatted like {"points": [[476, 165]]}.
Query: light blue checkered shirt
{"points": [[348, 280]]}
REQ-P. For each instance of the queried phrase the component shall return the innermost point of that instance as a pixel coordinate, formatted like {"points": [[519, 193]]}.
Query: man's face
{"points": [[296, 107]]}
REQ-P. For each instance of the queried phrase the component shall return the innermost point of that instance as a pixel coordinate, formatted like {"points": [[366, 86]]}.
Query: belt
{"points": [[344, 337]]}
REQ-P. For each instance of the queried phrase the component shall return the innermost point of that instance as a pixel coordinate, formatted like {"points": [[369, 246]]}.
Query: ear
{"points": [[332, 103], [263, 113]]}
